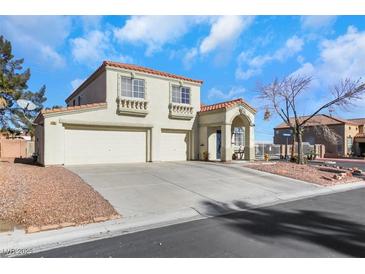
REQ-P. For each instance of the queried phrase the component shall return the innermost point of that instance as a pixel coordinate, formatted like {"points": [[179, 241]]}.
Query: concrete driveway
{"points": [[137, 190]]}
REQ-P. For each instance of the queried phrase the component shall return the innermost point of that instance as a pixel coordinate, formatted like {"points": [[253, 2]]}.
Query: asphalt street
{"points": [[349, 164], [323, 226]]}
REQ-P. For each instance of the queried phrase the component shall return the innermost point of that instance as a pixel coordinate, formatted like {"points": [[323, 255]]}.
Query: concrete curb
{"points": [[356, 161], [12, 243]]}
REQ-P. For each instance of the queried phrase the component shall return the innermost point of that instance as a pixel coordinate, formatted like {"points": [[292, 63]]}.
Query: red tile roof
{"points": [[359, 121], [321, 119], [73, 108], [149, 71], [227, 104]]}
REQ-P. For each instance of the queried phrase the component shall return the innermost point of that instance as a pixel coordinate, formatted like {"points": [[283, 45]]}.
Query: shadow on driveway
{"points": [[320, 228]]}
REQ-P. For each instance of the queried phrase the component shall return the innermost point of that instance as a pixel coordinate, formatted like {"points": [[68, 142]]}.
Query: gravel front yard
{"points": [[41, 198], [301, 172]]}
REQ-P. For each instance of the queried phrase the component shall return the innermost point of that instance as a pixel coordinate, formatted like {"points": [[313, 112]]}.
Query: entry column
{"points": [[226, 142], [250, 151]]}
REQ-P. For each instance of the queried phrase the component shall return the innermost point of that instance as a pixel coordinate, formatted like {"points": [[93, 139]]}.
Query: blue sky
{"points": [[230, 53]]}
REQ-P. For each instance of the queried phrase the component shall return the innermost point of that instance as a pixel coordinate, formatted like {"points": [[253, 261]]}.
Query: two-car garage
{"points": [[91, 145]]}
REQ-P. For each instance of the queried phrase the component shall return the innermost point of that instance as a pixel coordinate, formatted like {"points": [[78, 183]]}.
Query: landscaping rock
{"points": [[40, 198], [321, 175]]}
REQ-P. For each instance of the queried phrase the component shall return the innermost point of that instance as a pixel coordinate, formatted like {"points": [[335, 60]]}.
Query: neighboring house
{"points": [[349, 132], [126, 113]]}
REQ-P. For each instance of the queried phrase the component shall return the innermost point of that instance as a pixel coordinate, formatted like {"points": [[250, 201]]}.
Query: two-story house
{"points": [[126, 113], [349, 134]]}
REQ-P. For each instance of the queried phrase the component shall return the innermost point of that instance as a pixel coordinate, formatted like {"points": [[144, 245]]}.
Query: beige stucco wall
{"points": [[158, 96], [350, 131], [93, 92]]}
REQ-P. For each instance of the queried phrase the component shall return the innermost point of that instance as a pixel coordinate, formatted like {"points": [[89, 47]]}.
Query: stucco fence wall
{"points": [[16, 148]]}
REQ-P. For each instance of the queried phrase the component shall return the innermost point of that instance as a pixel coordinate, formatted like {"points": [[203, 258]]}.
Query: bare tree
{"points": [[329, 135], [282, 95]]}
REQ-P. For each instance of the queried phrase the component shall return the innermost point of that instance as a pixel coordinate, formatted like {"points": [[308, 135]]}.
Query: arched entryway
{"points": [[227, 133], [240, 140]]}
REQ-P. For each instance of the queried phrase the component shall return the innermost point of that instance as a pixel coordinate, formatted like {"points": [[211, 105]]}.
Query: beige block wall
{"points": [[16, 148]]}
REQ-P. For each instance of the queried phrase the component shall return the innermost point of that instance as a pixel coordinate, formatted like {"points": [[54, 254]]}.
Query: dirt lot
{"points": [[41, 198], [302, 172]]}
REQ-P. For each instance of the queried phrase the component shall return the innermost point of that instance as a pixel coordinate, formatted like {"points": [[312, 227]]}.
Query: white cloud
{"points": [[339, 58], [307, 69], [234, 92], [223, 35], [94, 47], [91, 22], [224, 31], [317, 22], [50, 54], [189, 57], [342, 57], [91, 47], [249, 66], [37, 36], [154, 31], [300, 59], [125, 59], [76, 83]]}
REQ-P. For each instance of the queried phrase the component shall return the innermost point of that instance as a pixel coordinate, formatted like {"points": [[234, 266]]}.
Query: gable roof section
{"points": [[150, 71], [69, 109], [73, 108], [133, 68], [225, 105], [321, 119]]}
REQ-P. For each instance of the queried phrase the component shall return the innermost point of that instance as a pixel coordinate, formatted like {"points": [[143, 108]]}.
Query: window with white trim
{"points": [[134, 88], [239, 136], [180, 95], [349, 144]]}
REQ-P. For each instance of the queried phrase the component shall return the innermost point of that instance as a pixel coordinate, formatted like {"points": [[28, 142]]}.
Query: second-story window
{"points": [[180, 95], [132, 87]]}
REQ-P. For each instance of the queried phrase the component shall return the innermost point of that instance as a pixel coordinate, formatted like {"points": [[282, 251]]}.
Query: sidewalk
{"points": [[18, 241]]}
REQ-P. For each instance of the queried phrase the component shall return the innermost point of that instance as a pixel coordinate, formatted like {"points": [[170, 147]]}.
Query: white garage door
{"points": [[84, 146], [174, 146]]}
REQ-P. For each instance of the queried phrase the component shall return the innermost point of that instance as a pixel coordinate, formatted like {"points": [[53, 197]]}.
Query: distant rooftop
{"points": [[323, 119]]}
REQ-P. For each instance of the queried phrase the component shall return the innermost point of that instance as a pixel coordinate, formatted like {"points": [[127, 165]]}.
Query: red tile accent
{"points": [[227, 104], [65, 109], [150, 71]]}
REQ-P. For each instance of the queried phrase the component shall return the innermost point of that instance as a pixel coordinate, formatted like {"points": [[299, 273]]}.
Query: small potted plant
{"points": [[205, 155]]}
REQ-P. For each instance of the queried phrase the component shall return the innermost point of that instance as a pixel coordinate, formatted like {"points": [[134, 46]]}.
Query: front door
{"points": [[219, 144]]}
